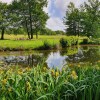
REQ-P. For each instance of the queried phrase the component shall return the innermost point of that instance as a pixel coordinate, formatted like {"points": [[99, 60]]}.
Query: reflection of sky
{"points": [[56, 60]]}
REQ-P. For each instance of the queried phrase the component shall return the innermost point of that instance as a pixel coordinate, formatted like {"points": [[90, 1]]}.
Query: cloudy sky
{"points": [[56, 10]]}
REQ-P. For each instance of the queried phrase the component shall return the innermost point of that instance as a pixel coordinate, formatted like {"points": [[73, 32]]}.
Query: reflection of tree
{"points": [[33, 60], [85, 54], [69, 51], [92, 55]]}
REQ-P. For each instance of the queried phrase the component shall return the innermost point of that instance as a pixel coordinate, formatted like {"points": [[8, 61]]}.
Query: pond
{"points": [[51, 59]]}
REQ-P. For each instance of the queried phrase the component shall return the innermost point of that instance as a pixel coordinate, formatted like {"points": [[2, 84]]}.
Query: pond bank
{"points": [[45, 43]]}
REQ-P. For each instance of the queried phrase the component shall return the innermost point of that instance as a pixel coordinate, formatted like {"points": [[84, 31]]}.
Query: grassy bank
{"points": [[41, 83], [20, 42]]}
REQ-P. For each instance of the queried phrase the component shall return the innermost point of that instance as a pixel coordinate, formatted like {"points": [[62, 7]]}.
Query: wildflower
{"points": [[98, 61], [1, 71], [57, 74], [20, 72], [4, 81], [97, 67], [52, 72], [44, 68], [28, 86], [79, 65], [28, 69], [9, 89], [74, 75]]}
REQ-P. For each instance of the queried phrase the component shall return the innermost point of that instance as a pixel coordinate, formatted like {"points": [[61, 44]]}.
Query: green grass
{"points": [[41, 83], [15, 43], [20, 42]]}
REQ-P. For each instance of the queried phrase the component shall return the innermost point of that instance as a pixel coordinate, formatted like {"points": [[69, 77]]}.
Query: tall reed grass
{"points": [[41, 83]]}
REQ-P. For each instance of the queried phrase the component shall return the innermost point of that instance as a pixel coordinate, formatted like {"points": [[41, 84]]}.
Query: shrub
{"points": [[63, 42], [85, 41], [69, 41]]}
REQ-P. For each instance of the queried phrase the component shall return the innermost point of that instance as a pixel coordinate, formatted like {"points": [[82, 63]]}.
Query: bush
{"points": [[69, 41], [63, 42], [85, 41]]}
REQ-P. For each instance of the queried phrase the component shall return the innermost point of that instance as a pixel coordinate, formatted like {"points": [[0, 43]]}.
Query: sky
{"points": [[56, 10]]}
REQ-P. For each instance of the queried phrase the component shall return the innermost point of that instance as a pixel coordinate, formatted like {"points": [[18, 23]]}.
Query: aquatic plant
{"points": [[41, 83]]}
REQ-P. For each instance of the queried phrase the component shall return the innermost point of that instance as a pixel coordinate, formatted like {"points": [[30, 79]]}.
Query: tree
{"points": [[30, 15], [91, 17], [72, 20], [4, 18], [84, 20]]}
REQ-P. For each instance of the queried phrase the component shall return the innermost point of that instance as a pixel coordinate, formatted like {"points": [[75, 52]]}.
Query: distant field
{"points": [[21, 42]]}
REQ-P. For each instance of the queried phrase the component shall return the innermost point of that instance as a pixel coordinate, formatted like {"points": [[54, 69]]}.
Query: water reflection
{"points": [[52, 58], [55, 59]]}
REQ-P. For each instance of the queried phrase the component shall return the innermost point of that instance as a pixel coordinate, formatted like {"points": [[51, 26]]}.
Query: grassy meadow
{"points": [[20, 42]]}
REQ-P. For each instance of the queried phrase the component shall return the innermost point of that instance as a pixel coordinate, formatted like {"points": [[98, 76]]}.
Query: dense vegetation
{"points": [[22, 19], [78, 82], [83, 20]]}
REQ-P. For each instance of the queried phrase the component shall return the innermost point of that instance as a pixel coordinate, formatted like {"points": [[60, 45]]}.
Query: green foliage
{"points": [[69, 41], [83, 20], [41, 83], [85, 41], [30, 15], [91, 41], [63, 42]]}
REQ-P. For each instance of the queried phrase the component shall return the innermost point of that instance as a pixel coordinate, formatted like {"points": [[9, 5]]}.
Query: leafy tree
{"points": [[4, 18], [72, 20], [30, 15], [84, 20], [91, 17]]}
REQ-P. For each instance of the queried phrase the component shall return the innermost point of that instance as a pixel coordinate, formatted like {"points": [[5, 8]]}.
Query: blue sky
{"points": [[56, 11]]}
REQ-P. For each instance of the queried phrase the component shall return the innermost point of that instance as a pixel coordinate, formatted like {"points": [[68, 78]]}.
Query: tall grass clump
{"points": [[41, 83], [48, 45]]}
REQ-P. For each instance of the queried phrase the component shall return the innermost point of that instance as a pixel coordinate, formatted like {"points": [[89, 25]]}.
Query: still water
{"points": [[51, 59]]}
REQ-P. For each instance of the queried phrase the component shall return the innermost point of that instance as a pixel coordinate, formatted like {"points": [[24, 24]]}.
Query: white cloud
{"points": [[6, 1], [55, 23]]}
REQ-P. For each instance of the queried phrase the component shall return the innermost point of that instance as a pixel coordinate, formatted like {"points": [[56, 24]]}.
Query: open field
{"points": [[20, 42]]}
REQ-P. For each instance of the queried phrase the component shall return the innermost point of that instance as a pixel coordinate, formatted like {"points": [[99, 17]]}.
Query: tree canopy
{"points": [[84, 20]]}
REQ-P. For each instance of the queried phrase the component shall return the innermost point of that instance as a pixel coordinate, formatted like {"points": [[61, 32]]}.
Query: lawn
{"points": [[20, 42]]}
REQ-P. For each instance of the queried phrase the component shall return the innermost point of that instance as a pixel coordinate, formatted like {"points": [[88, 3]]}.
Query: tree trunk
{"points": [[30, 18], [27, 29], [36, 35], [2, 33]]}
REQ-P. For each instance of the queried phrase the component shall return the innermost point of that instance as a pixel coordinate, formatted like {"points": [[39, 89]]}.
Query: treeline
{"points": [[83, 20], [44, 31], [26, 15]]}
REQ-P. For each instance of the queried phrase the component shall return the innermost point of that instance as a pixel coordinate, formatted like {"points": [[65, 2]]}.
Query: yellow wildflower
{"points": [[1, 71], [28, 86], [9, 89], [98, 60], [4, 81], [20, 72], [28, 69], [97, 67], [52, 72], [79, 65], [44, 68], [74, 75], [57, 74]]}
